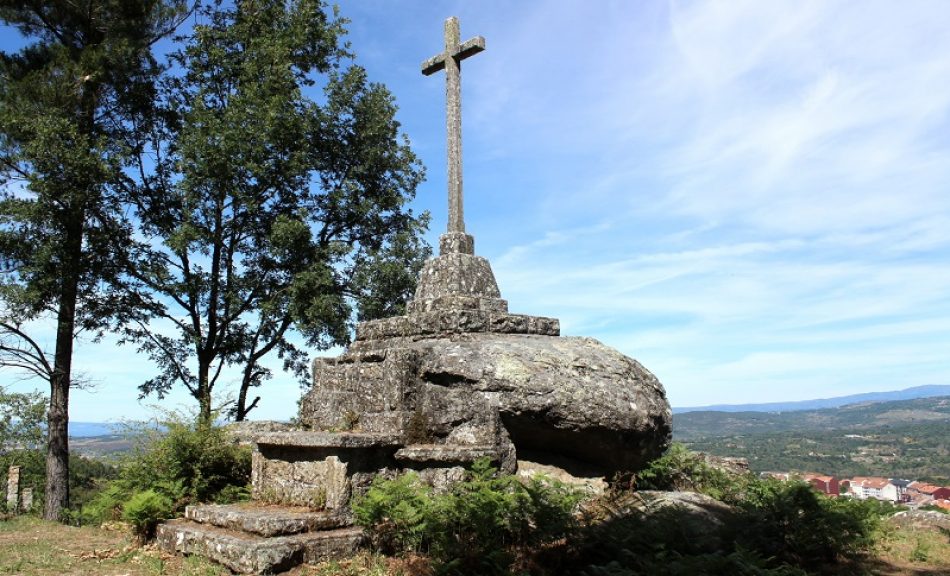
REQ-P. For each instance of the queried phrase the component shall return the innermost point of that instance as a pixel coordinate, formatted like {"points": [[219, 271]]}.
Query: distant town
{"points": [[910, 493]]}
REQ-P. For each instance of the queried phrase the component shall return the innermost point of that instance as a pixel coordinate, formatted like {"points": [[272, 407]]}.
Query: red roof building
{"points": [[935, 492], [825, 484]]}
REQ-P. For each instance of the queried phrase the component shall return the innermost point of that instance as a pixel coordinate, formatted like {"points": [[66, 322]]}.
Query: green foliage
{"points": [[183, 462], [269, 211], [202, 457], [146, 510], [87, 476], [794, 524], [475, 528], [398, 513], [681, 469], [920, 552], [21, 420]]}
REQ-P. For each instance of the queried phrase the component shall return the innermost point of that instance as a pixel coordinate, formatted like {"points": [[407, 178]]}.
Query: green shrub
{"points": [[791, 522], [398, 513], [202, 457], [180, 462], [478, 527], [680, 469], [145, 510]]}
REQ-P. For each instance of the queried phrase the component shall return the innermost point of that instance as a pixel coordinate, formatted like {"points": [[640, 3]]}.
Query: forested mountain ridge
{"points": [[906, 439], [854, 416], [819, 403]]}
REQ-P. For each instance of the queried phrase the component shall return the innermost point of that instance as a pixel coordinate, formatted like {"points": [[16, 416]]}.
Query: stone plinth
{"points": [[452, 321], [13, 488], [319, 470]]}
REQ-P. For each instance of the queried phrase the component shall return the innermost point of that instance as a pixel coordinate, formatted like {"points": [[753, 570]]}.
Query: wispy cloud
{"points": [[749, 197]]}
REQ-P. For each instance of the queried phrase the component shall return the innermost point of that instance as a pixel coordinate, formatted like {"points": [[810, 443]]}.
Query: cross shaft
{"points": [[450, 60]]}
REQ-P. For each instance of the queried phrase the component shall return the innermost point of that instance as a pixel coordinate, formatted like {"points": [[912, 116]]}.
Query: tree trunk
{"points": [[203, 393], [57, 446], [242, 409]]}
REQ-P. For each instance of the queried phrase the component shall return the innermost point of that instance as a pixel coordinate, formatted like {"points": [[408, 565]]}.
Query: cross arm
{"points": [[433, 65], [461, 52], [469, 47]]}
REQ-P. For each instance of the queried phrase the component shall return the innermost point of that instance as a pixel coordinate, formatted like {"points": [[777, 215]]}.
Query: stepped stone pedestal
{"points": [[456, 379]]}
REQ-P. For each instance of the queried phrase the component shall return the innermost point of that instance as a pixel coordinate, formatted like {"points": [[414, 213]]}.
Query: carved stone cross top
{"points": [[451, 60]]}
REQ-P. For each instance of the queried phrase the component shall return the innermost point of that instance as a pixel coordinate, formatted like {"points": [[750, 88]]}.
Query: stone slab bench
{"points": [[317, 439]]}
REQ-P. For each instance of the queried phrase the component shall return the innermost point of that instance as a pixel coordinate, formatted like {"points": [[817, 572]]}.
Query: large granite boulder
{"points": [[458, 370], [572, 402]]}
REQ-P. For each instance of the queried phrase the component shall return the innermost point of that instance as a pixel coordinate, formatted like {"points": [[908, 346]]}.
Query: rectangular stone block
{"points": [[363, 383], [509, 323], [367, 331], [550, 327], [473, 320], [448, 321], [13, 488], [427, 323]]}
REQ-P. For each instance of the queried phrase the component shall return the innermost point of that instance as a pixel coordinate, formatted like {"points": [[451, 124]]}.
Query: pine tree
{"points": [[74, 104]]}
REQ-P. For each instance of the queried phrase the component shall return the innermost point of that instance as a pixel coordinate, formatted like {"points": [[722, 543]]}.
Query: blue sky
{"points": [[750, 198]]}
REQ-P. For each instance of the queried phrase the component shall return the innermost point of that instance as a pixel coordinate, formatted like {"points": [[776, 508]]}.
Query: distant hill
{"points": [[906, 394], [852, 417], [89, 429], [902, 438]]}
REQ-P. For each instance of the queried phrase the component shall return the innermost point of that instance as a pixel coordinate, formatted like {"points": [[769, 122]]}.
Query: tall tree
{"points": [[71, 103], [265, 202]]}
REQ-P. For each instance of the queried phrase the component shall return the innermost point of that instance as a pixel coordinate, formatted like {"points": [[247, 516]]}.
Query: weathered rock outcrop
{"points": [[459, 370], [570, 401]]}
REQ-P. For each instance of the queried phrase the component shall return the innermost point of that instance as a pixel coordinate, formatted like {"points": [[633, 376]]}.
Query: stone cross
{"points": [[451, 60]]}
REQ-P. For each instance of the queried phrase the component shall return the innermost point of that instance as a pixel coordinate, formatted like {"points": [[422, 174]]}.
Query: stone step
{"points": [[265, 520], [252, 554]]}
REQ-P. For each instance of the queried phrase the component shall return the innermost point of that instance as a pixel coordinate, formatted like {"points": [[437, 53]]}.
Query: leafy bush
{"points": [[680, 469], [477, 527], [776, 528], [200, 456], [398, 513], [791, 522], [181, 462], [145, 510]]}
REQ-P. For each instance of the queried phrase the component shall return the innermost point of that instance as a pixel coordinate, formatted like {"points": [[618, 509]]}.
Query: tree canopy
{"points": [[72, 103], [268, 210]]}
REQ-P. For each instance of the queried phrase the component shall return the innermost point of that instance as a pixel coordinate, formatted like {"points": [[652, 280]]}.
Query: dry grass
{"points": [[30, 546], [914, 551], [36, 547]]}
